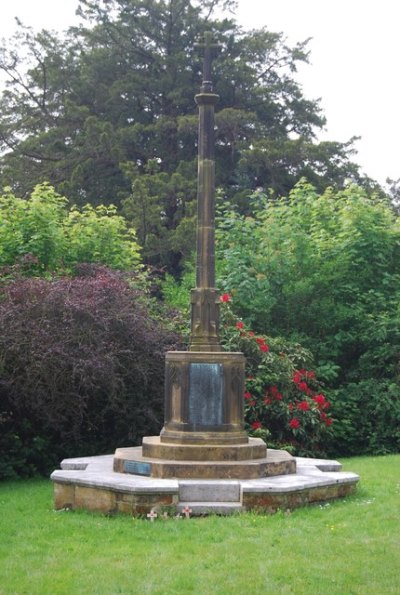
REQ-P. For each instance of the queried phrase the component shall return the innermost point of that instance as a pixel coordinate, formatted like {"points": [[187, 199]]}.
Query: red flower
{"points": [[256, 425], [302, 386], [321, 402], [239, 325], [267, 401], [247, 395], [296, 377], [264, 347], [275, 393], [225, 297], [310, 375], [320, 399], [294, 423], [260, 341], [329, 421], [252, 403], [303, 406]]}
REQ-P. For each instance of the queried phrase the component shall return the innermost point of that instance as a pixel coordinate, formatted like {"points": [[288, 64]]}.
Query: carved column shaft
{"points": [[204, 299]]}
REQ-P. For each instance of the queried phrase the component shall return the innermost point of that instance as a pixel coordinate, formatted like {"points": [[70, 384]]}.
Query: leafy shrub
{"points": [[284, 403], [82, 365], [324, 270], [368, 418], [43, 235]]}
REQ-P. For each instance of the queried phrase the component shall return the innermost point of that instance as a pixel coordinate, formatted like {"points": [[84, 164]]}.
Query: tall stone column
{"points": [[205, 299], [204, 386]]}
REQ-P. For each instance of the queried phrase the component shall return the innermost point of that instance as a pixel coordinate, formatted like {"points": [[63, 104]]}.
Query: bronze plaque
{"points": [[206, 394]]}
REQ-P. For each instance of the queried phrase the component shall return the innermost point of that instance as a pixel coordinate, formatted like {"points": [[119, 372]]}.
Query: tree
{"points": [[161, 208], [394, 192], [91, 111]]}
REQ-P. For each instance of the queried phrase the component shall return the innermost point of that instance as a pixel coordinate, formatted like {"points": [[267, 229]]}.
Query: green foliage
{"points": [[23, 453], [325, 270], [33, 227], [44, 236], [93, 111], [369, 417], [162, 209], [284, 404], [100, 235], [177, 292]]}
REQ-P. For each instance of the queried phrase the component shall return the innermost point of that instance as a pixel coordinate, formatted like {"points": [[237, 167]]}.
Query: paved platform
{"points": [[91, 483]]}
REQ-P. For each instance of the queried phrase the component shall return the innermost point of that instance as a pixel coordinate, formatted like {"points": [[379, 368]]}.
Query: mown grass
{"points": [[348, 547]]}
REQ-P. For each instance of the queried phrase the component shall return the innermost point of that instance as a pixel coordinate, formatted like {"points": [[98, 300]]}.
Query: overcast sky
{"points": [[354, 69]]}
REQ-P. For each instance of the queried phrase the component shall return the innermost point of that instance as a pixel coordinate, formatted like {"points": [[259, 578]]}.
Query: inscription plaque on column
{"points": [[206, 394]]}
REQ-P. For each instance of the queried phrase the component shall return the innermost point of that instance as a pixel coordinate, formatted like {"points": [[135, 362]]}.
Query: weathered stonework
{"points": [[94, 496], [131, 460], [204, 398], [153, 447], [91, 483], [271, 502]]}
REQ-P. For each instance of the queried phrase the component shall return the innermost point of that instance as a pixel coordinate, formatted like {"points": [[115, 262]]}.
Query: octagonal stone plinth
{"points": [[90, 483], [132, 461], [153, 447]]}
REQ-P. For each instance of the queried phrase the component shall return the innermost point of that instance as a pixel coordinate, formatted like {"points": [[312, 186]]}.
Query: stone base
{"points": [[132, 460], [91, 484], [153, 447], [204, 398], [217, 438]]}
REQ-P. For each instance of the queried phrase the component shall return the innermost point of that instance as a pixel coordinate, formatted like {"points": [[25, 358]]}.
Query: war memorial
{"points": [[203, 460]]}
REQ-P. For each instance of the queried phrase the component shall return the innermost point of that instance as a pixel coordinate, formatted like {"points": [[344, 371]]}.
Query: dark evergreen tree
{"points": [[106, 114]]}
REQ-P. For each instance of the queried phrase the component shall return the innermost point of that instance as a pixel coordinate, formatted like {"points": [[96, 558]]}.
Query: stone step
{"points": [[199, 508], [209, 491]]}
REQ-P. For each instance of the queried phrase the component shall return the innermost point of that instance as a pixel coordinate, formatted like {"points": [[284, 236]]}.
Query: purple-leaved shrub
{"points": [[82, 366]]}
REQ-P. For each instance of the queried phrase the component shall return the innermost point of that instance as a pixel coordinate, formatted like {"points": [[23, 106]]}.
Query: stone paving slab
{"points": [[81, 463], [115, 481], [321, 464], [292, 483], [203, 491]]}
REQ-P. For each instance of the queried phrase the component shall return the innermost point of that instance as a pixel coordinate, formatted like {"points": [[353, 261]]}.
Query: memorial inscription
{"points": [[206, 394]]}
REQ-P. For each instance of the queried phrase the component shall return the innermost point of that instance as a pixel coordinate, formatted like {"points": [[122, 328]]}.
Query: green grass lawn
{"points": [[346, 547]]}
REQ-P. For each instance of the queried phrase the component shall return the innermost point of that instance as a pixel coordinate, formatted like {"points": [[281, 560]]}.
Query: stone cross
{"points": [[209, 49], [152, 515]]}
